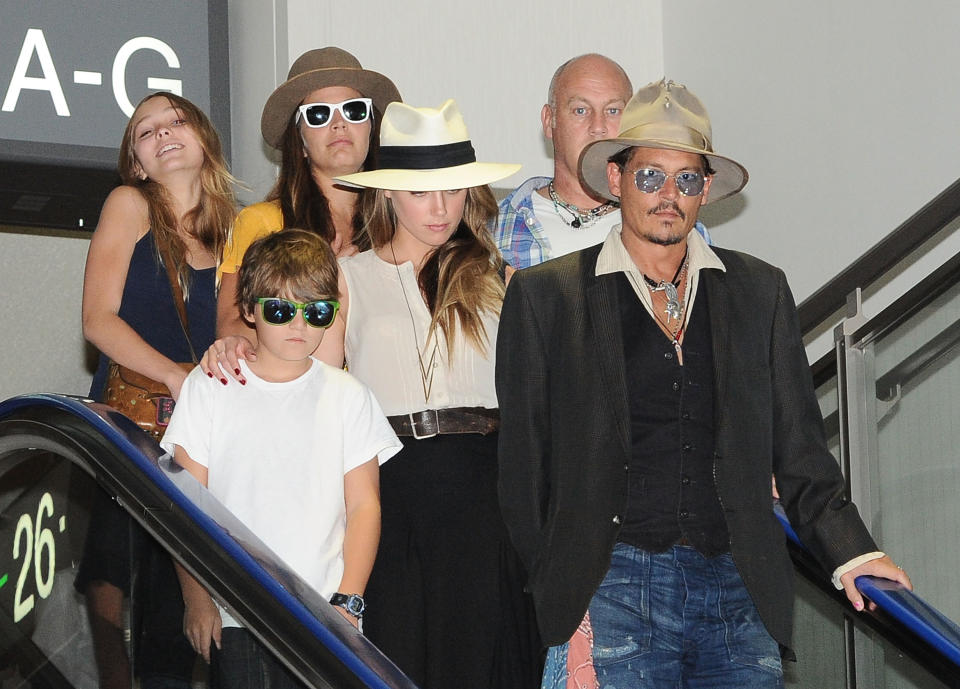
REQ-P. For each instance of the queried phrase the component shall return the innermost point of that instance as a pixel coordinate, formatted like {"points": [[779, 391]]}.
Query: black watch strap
{"points": [[353, 603]]}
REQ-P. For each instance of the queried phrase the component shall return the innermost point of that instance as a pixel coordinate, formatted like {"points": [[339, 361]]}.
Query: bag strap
{"points": [[178, 298]]}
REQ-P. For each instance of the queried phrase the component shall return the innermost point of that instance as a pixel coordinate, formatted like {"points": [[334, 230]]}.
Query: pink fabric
{"points": [[580, 673]]}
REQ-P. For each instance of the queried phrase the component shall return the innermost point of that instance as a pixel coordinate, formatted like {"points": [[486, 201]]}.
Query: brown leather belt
{"points": [[431, 422]]}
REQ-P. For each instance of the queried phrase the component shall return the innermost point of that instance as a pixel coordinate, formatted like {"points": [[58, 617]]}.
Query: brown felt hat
{"points": [[316, 69]]}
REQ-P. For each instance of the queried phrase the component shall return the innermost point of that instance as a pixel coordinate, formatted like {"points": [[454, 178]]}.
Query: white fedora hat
{"points": [[426, 149]]}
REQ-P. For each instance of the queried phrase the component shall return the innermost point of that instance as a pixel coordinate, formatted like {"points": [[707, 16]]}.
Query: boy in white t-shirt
{"points": [[294, 453]]}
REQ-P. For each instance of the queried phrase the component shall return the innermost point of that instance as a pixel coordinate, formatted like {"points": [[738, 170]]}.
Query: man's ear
{"points": [[546, 120], [614, 175]]}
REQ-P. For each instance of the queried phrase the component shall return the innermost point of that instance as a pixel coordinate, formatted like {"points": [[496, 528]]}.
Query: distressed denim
{"points": [[677, 620]]}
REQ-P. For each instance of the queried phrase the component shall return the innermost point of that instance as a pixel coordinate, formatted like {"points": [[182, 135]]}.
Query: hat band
{"points": [[426, 157], [663, 132]]}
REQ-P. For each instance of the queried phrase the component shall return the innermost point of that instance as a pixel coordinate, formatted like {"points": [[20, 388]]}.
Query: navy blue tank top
{"points": [[148, 307]]}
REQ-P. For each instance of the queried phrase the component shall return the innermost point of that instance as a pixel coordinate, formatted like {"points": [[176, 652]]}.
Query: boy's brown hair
{"points": [[296, 264]]}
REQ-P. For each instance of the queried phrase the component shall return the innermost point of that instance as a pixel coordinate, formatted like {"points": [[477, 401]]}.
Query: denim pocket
{"points": [[620, 609]]}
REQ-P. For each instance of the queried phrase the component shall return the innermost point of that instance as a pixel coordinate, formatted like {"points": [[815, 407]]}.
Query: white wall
{"points": [[844, 113], [43, 348], [494, 57]]}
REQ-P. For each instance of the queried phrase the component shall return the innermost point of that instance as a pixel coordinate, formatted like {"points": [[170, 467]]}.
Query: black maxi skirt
{"points": [[445, 599]]}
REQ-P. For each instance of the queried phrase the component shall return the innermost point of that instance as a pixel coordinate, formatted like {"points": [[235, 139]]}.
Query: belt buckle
{"points": [[425, 415]]}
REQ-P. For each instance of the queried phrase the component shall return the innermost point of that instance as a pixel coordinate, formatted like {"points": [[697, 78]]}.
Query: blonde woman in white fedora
{"points": [[423, 306], [323, 119], [419, 319]]}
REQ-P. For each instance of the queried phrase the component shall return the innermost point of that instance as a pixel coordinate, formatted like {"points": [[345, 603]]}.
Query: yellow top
{"points": [[252, 222]]}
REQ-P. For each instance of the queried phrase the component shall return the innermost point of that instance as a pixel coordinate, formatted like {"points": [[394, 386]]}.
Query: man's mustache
{"points": [[668, 206]]}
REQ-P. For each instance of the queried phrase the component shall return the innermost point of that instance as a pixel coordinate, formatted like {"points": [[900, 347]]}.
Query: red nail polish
{"points": [[223, 380], [243, 382], [237, 371], [209, 375], [858, 605]]}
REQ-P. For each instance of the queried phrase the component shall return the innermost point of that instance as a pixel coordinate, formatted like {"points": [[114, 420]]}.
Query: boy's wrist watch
{"points": [[353, 603]]}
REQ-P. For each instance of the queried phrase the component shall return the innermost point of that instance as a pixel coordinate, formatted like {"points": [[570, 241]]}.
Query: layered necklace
{"points": [[426, 369], [579, 217], [673, 308]]}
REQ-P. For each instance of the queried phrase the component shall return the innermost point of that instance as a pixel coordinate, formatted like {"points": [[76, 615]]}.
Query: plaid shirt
{"points": [[519, 234]]}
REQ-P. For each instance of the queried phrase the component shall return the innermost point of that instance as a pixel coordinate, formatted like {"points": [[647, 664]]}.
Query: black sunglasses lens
{"points": [[354, 110], [278, 311], [319, 314], [318, 115]]}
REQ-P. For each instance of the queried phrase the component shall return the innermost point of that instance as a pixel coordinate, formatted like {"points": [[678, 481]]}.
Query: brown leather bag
{"points": [[143, 400]]}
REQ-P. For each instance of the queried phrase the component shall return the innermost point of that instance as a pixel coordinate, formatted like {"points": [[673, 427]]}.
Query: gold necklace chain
{"points": [[426, 371]]}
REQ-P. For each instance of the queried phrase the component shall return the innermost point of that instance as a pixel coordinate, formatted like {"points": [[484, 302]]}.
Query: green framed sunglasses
{"points": [[279, 311]]}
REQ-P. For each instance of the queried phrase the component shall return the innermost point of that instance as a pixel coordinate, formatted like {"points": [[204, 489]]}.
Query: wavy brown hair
{"points": [[302, 203], [460, 279], [210, 220]]}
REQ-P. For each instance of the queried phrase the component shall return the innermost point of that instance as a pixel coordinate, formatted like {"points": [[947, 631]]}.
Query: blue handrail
{"points": [[905, 606], [289, 591]]}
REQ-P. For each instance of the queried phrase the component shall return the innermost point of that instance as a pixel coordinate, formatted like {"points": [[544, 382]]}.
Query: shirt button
{"points": [[626, 467], [684, 514], [686, 447], [685, 416], [676, 385], [685, 480], [668, 355], [616, 519]]}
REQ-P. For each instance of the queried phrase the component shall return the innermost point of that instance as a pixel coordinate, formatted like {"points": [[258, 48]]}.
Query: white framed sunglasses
{"points": [[355, 111]]}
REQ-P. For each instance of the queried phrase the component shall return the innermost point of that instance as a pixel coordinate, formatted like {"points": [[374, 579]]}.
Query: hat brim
{"points": [[456, 177], [283, 102], [729, 175]]}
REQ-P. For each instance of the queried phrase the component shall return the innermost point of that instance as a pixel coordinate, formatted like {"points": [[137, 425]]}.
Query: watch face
{"points": [[355, 605]]}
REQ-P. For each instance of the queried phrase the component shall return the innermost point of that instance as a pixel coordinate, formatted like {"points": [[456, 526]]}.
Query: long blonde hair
{"points": [[210, 220], [460, 279]]}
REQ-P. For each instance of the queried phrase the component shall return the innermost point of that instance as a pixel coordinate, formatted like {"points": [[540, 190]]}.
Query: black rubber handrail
{"points": [[881, 258]]}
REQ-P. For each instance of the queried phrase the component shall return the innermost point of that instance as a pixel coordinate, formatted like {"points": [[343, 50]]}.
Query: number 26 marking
{"points": [[35, 542]]}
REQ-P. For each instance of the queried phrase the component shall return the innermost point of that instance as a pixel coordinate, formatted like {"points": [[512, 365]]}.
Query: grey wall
{"points": [[845, 114]]}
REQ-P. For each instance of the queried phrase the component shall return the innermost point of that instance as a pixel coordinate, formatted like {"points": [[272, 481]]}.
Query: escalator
{"points": [[56, 454]]}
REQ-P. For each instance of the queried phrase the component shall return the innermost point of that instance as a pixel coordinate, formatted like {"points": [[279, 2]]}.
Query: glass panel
{"points": [[44, 514], [919, 468]]}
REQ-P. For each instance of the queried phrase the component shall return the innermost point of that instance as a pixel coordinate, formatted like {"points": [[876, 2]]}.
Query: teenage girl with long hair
{"points": [[176, 201]]}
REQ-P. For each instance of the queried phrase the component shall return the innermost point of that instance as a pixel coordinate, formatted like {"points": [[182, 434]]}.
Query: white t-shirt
{"points": [[276, 455], [387, 321], [564, 239]]}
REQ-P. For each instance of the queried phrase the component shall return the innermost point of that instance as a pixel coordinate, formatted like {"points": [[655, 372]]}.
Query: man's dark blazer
{"points": [[565, 434]]}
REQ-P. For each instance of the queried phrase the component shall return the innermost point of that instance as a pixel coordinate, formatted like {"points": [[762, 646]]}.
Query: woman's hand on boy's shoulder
{"points": [[222, 358]]}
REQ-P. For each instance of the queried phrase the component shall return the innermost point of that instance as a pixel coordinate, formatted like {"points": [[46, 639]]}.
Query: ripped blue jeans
{"points": [[677, 620]]}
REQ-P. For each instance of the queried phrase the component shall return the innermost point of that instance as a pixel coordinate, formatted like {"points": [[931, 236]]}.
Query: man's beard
{"points": [[672, 239]]}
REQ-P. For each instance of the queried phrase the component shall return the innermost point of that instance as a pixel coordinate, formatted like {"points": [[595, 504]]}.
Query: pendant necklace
{"points": [[581, 217], [426, 370], [673, 309]]}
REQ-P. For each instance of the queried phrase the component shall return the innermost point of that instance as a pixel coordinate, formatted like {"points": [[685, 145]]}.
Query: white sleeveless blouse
{"points": [[381, 340]]}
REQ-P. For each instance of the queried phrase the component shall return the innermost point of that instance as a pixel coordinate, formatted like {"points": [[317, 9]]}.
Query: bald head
{"points": [[586, 100], [598, 66]]}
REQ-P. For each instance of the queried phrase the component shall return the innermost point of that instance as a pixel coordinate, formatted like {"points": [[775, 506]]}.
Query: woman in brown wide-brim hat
{"points": [[324, 119]]}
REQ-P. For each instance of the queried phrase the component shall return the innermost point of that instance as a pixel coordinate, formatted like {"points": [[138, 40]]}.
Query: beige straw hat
{"points": [[663, 114]]}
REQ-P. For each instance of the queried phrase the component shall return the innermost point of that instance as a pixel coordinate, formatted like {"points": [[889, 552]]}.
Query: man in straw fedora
{"points": [[648, 388]]}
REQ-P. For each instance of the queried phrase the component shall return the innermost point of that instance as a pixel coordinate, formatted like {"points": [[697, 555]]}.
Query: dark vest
{"points": [[672, 495]]}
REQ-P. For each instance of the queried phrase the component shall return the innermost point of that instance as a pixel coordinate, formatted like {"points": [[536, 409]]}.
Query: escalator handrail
{"points": [[138, 448], [905, 606]]}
